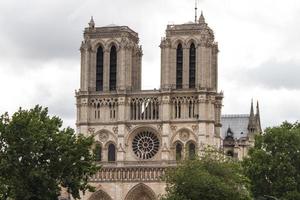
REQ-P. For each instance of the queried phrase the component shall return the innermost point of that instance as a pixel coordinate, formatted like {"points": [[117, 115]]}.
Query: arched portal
{"points": [[141, 192], [100, 195]]}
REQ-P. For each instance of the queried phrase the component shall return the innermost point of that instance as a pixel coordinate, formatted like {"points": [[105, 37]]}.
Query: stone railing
{"points": [[128, 174]]}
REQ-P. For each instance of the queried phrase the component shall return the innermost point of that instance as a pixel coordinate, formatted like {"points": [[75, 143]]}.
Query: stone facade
{"points": [[140, 133]]}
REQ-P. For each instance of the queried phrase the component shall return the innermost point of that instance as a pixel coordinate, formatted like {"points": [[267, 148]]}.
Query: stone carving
{"points": [[159, 127], [115, 129], [91, 130], [195, 127], [184, 135], [173, 127], [128, 127], [103, 101], [103, 136]]}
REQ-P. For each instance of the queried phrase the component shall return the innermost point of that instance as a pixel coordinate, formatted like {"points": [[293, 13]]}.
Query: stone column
{"points": [[172, 67], [121, 67], [92, 70], [106, 63], [186, 59]]}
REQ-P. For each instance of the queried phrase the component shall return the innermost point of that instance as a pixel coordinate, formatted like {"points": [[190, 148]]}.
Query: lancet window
{"points": [[113, 69], [179, 64], [191, 150], [98, 152], [178, 151], [111, 153], [99, 69], [192, 66]]}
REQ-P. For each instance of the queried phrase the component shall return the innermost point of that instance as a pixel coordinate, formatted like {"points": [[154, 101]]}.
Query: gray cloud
{"points": [[272, 74], [40, 40]]}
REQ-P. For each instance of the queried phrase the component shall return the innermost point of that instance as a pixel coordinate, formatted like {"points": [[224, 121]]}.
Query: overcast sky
{"points": [[259, 42]]}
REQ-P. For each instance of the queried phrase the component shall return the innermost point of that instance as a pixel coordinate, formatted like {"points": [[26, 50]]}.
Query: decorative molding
{"points": [[91, 130], [103, 136], [184, 135], [129, 174], [115, 129]]}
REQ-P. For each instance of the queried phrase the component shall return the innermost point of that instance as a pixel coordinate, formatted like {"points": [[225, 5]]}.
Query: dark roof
{"points": [[238, 123]]}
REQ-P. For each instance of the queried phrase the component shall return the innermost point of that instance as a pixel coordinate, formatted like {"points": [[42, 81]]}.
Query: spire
{"points": [[257, 108], [257, 116], [92, 23], [201, 18], [195, 11], [251, 125], [251, 110]]}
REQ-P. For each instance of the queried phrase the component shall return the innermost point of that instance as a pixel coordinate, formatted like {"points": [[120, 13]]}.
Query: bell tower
{"points": [[189, 57], [110, 59]]}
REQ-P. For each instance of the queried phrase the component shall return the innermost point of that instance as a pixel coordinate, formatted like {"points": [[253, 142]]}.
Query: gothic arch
{"points": [[112, 42], [141, 192], [191, 149], [104, 135], [178, 41], [177, 155], [98, 43], [100, 195], [176, 136], [191, 40]]}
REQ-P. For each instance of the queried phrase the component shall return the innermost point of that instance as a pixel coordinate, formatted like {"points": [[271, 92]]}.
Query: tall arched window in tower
{"points": [[178, 151], [111, 152], [99, 69], [113, 68], [98, 152], [192, 66], [191, 150], [179, 63]]}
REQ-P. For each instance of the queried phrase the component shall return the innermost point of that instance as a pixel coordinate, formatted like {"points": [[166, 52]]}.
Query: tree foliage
{"points": [[273, 165], [211, 177], [38, 157]]}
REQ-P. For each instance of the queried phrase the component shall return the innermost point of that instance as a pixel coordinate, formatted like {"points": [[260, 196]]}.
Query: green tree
{"points": [[273, 165], [214, 176], [38, 157]]}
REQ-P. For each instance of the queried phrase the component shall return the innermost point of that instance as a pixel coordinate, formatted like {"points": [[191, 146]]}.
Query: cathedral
{"points": [[140, 133]]}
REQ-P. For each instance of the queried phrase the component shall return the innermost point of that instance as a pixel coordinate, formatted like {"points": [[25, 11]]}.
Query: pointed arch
{"points": [[179, 66], [113, 68], [192, 66], [191, 150], [98, 151], [100, 195], [111, 152], [141, 191], [178, 150], [99, 68]]}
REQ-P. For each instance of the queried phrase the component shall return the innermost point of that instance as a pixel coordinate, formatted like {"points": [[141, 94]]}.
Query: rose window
{"points": [[145, 145]]}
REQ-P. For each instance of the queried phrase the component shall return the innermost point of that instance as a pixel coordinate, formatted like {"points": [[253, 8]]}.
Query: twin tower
{"points": [[140, 133], [111, 58]]}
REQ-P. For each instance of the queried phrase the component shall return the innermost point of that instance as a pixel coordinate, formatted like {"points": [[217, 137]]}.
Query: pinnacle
{"points": [[92, 23], [201, 18]]}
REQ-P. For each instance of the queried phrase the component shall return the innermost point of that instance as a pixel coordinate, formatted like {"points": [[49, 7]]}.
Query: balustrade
{"points": [[129, 174]]}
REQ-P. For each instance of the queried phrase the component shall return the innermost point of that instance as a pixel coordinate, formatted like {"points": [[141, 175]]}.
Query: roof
{"points": [[238, 124]]}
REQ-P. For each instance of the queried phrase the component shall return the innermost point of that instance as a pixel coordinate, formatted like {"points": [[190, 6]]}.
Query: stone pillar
{"points": [[165, 111], [121, 68], [92, 71], [172, 67], [166, 154], [185, 66], [106, 63], [139, 70], [128, 69]]}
